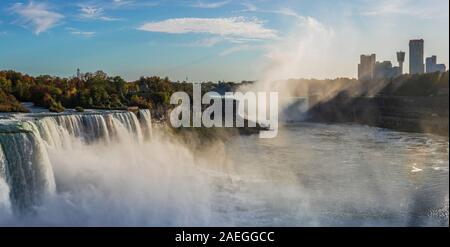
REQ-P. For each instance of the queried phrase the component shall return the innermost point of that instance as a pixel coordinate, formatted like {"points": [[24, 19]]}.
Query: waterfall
{"points": [[63, 131], [146, 122], [127, 126], [24, 144], [4, 188], [26, 169]]}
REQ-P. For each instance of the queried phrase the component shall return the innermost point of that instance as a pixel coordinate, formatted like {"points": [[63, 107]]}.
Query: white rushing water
{"points": [[113, 169], [5, 205], [26, 168]]}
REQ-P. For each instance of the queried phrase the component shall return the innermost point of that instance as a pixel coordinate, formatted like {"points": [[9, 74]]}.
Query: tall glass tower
{"points": [[416, 65]]}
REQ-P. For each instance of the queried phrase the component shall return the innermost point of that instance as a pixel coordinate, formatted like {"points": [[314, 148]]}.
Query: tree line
{"points": [[91, 91], [100, 91]]}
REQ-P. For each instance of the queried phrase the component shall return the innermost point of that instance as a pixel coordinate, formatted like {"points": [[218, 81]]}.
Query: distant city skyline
{"points": [[217, 40], [370, 68]]}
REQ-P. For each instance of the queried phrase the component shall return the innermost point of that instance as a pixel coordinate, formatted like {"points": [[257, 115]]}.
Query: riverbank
{"points": [[401, 113]]}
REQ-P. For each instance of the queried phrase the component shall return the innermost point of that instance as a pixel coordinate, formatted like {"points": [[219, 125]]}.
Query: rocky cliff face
{"points": [[403, 113]]}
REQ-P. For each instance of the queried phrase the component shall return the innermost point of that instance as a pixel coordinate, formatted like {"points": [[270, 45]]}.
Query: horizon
{"points": [[223, 40]]}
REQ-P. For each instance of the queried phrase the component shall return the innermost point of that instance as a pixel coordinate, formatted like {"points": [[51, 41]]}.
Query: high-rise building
{"points": [[440, 67], [400, 60], [432, 66], [366, 67], [384, 70], [430, 62], [416, 65]]}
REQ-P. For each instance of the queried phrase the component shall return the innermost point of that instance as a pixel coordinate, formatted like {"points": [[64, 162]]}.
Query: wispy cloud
{"points": [[234, 27], [430, 9], [115, 4], [77, 32], [37, 16], [93, 12], [212, 5], [214, 40], [237, 48], [122, 2], [207, 42], [249, 7]]}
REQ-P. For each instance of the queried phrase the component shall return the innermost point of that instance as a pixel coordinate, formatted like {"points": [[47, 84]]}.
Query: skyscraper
{"points": [[430, 62], [385, 70], [366, 67], [400, 59], [432, 66], [416, 65]]}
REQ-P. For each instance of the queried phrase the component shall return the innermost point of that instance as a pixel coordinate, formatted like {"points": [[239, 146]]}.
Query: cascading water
{"points": [[25, 168], [146, 121], [5, 204], [61, 131]]}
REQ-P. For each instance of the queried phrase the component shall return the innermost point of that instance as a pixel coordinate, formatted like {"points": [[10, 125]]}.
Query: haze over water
{"points": [[343, 175], [310, 175]]}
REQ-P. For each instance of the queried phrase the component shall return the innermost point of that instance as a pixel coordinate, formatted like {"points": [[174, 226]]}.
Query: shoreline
{"points": [[400, 113], [415, 114]]}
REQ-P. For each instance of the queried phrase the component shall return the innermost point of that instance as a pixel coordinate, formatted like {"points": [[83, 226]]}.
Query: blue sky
{"points": [[215, 40]]}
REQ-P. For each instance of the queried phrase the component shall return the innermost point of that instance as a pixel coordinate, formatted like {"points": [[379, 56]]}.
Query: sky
{"points": [[217, 40]]}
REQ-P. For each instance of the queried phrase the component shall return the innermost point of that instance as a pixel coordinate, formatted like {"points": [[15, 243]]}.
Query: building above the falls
{"points": [[369, 68], [366, 67], [385, 70], [416, 51], [432, 66]]}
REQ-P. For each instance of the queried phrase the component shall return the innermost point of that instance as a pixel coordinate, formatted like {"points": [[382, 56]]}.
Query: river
{"points": [[113, 169], [342, 175]]}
